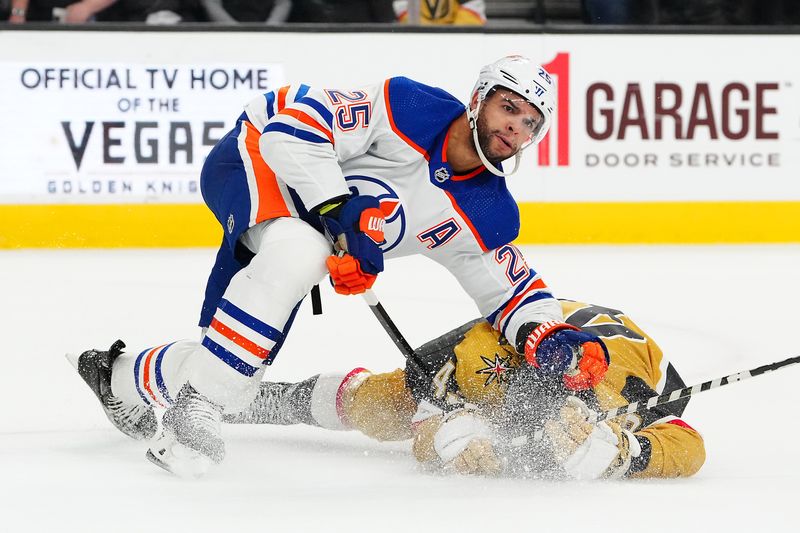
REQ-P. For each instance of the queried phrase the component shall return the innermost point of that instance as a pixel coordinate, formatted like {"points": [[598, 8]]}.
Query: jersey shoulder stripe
{"points": [[305, 121], [319, 107], [297, 113], [264, 107], [419, 113], [295, 132]]}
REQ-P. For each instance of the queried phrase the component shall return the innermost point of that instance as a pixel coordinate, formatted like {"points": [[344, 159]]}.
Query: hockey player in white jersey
{"points": [[312, 182]]}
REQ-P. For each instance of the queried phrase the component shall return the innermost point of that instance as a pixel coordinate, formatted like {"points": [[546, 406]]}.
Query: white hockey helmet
{"points": [[524, 77]]}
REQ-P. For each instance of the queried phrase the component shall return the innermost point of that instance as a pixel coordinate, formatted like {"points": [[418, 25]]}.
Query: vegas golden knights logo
{"points": [[559, 69], [438, 9]]}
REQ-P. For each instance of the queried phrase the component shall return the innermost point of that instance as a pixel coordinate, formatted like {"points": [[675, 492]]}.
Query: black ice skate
{"points": [[190, 442], [94, 366], [281, 404]]}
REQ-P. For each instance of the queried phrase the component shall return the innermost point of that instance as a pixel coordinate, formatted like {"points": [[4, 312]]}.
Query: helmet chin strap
{"points": [[472, 116]]}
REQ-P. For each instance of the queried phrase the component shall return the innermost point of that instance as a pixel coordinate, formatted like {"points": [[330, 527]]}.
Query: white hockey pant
{"points": [[227, 365]]}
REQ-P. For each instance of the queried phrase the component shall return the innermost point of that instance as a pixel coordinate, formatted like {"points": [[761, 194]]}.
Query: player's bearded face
{"points": [[506, 124]]}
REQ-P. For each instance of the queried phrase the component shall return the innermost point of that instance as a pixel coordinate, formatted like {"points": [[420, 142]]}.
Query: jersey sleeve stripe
{"points": [[505, 321], [294, 132], [523, 286], [308, 120], [301, 92], [468, 221], [270, 96], [512, 303], [395, 129], [320, 108], [282, 97]]}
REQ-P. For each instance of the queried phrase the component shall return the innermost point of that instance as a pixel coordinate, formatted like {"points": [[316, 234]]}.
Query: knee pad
{"points": [[289, 254]]}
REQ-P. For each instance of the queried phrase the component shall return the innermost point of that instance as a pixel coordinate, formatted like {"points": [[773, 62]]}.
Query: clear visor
{"points": [[529, 119]]}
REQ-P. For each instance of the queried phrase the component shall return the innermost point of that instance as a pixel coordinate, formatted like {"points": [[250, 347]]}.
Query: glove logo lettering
{"points": [[536, 335], [393, 228], [375, 223], [372, 223]]}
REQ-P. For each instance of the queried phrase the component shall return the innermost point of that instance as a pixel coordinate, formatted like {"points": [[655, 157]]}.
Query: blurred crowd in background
{"points": [[444, 12]]}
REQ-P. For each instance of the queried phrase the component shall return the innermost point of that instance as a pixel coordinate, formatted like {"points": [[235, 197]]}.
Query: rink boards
{"points": [[650, 144]]}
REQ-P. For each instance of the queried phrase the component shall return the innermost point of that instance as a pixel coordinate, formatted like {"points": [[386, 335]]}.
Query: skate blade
{"points": [[178, 459], [73, 359]]}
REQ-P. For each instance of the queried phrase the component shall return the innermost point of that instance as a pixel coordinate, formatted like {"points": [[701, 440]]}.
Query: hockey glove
{"points": [[560, 349], [464, 442], [586, 450], [356, 228]]}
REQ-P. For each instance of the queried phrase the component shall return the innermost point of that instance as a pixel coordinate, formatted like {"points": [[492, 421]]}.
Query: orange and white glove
{"points": [[355, 226], [560, 349], [347, 276]]}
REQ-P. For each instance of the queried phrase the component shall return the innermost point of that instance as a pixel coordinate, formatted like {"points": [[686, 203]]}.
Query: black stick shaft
{"points": [[685, 392], [635, 407], [388, 324]]}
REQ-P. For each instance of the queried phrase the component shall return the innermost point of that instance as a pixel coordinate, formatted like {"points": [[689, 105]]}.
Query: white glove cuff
{"points": [[455, 434], [594, 456]]}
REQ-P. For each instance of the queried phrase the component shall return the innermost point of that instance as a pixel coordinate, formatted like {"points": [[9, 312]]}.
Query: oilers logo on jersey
{"points": [[391, 206]]}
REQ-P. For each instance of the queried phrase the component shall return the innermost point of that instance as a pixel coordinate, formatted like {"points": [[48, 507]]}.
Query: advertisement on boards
{"points": [[640, 117], [670, 118], [85, 132]]}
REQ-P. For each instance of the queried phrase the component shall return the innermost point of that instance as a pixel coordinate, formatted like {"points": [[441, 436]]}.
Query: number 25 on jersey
{"points": [[352, 109]]}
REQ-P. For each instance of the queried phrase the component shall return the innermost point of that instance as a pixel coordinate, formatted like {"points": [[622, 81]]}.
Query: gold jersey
{"points": [[473, 364], [456, 12]]}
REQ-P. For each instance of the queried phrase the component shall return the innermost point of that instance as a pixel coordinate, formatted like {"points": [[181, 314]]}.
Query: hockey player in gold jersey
{"points": [[445, 12], [466, 394]]}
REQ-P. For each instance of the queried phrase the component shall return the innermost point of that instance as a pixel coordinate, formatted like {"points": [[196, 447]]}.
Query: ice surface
{"points": [[714, 310]]}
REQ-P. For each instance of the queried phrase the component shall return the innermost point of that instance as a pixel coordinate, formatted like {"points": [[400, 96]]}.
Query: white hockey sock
{"points": [[329, 396], [149, 376]]}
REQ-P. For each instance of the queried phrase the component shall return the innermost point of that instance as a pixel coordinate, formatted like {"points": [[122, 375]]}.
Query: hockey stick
{"points": [[635, 407], [391, 329], [388, 324], [673, 396]]}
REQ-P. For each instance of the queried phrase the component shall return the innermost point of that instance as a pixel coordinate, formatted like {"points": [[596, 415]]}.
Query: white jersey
{"points": [[390, 141]]}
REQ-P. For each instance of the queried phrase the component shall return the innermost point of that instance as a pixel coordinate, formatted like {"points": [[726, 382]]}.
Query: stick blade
{"points": [[73, 359]]}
